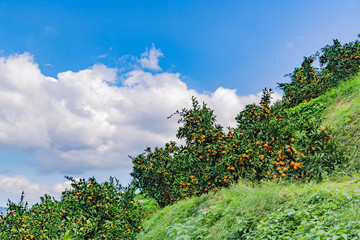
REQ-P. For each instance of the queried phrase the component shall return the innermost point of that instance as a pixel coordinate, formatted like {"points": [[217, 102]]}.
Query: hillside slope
{"points": [[343, 114], [339, 109], [326, 210]]}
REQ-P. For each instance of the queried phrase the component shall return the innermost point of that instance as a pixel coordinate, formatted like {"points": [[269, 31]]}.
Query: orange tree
{"points": [[88, 210], [340, 61], [306, 83], [270, 142], [337, 62], [207, 148], [171, 173], [282, 144], [155, 172], [210, 157]]}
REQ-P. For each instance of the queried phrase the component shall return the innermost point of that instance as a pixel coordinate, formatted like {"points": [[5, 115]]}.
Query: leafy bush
{"points": [[88, 210], [172, 173], [283, 143]]}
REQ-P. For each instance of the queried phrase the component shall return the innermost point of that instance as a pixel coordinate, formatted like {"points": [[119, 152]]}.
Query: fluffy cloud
{"points": [[150, 59], [94, 118], [58, 188], [14, 186]]}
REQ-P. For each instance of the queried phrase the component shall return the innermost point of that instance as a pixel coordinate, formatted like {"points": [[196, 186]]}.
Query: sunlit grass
{"points": [[236, 212]]}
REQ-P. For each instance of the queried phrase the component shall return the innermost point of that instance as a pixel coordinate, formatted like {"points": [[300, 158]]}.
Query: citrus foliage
{"points": [[337, 62], [88, 210], [171, 173], [280, 143], [270, 142], [155, 172]]}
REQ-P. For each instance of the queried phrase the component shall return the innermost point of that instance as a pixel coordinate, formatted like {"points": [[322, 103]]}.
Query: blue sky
{"points": [[84, 84]]}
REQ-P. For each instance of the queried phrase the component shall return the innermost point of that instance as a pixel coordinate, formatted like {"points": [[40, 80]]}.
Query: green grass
{"points": [[269, 209], [343, 116]]}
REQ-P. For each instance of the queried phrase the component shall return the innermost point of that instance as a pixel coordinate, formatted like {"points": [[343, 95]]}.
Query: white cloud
{"points": [[150, 59], [58, 188], [14, 186], [94, 119]]}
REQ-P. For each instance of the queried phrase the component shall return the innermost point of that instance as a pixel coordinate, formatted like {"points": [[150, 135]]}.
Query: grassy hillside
{"points": [[343, 115], [340, 110], [326, 210], [331, 208]]}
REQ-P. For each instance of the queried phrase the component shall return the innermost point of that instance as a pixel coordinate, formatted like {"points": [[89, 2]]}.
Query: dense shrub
{"points": [[171, 173], [281, 143], [155, 172], [88, 210]]}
